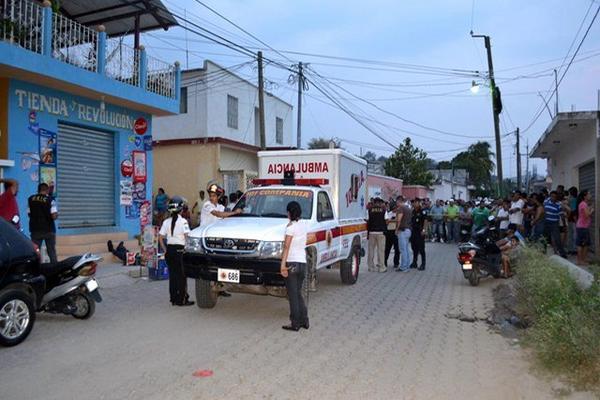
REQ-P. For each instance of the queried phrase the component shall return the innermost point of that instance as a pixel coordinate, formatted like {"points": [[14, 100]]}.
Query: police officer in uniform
{"points": [[172, 236], [42, 213], [419, 224]]}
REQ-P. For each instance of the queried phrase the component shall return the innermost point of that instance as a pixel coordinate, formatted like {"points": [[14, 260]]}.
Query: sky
{"points": [[529, 39]]}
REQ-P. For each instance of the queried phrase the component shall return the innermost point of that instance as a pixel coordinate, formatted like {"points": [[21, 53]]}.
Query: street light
{"points": [[474, 87]]}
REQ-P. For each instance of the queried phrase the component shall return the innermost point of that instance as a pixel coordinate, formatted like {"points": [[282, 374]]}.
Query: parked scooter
{"points": [[481, 257], [71, 287]]}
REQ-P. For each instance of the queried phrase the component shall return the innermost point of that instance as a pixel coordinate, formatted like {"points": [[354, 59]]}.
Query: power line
{"points": [[564, 72]]}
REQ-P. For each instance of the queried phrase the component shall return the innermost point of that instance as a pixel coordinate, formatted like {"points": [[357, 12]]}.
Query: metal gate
{"points": [[85, 177], [587, 180]]}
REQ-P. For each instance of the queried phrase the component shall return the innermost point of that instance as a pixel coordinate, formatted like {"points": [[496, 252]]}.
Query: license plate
{"points": [[91, 285], [228, 275], [467, 266]]}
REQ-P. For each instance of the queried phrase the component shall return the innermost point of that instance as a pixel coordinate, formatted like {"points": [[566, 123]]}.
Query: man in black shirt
{"points": [[376, 227], [42, 213], [419, 223]]}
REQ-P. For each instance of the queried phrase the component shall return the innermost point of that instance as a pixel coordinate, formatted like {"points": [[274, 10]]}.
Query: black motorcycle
{"points": [[481, 257]]}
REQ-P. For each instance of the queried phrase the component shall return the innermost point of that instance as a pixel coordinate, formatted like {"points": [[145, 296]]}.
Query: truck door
{"points": [[328, 248]]}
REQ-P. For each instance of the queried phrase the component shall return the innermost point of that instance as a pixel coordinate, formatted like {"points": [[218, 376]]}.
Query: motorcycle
{"points": [[481, 257], [71, 287]]}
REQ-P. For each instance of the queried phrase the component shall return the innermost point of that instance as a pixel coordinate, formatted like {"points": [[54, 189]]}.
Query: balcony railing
{"points": [[36, 28], [22, 24], [74, 43]]}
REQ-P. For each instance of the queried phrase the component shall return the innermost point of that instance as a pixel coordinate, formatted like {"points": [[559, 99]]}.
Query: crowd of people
{"points": [[561, 219]]}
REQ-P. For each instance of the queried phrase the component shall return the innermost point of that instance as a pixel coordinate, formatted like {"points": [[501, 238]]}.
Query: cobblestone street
{"points": [[387, 337]]}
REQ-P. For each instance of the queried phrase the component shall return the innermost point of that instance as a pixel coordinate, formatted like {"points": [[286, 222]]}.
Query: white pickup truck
{"points": [[243, 253]]}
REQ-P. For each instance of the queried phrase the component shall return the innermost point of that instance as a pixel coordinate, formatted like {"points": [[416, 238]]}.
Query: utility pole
{"points": [[300, 87], [527, 167], [519, 187], [261, 102], [495, 110]]}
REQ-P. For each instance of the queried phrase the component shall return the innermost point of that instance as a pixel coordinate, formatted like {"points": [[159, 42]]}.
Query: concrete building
{"points": [[416, 191], [76, 109], [450, 184], [570, 146], [216, 135]]}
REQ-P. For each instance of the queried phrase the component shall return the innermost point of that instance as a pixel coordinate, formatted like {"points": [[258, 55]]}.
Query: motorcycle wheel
{"points": [[85, 306], [474, 276], [17, 316]]}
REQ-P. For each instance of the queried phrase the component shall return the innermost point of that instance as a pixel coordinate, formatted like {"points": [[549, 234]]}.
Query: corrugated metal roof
{"points": [[118, 16]]}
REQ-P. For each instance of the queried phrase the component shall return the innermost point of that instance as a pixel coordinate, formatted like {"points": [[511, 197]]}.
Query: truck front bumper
{"points": [[252, 271]]}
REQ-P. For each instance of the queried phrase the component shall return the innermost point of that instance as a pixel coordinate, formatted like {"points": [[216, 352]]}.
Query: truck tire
{"points": [[18, 311], [206, 296], [350, 266]]}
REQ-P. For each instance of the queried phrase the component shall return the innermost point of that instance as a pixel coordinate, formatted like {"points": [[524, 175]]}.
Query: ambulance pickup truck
{"points": [[243, 253]]}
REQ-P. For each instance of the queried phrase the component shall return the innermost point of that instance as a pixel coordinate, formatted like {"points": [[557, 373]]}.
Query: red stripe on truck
{"points": [[321, 236]]}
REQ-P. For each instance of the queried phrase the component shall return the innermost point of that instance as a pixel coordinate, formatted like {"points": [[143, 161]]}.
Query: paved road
{"points": [[387, 337]]}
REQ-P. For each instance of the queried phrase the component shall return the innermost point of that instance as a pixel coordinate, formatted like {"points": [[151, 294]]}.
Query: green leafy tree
{"points": [[444, 165], [409, 163], [323, 143], [370, 157], [477, 160]]}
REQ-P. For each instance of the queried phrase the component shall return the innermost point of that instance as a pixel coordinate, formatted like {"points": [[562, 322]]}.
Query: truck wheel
{"points": [[350, 266], [206, 296], [17, 316]]}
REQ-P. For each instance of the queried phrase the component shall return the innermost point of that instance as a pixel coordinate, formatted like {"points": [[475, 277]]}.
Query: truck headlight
{"points": [[194, 245], [271, 250]]}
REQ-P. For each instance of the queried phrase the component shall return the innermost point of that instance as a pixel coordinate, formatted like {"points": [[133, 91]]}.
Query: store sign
{"points": [[139, 166], [140, 126], [72, 109]]}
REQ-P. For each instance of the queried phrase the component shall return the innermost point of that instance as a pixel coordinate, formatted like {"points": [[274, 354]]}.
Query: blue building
{"points": [[76, 109]]}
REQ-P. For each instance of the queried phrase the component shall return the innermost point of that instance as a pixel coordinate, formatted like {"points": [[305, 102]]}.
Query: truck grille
{"points": [[214, 243]]}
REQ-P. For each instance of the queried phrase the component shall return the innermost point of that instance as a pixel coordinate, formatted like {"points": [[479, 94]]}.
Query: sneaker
{"points": [[442, 241], [383, 269]]}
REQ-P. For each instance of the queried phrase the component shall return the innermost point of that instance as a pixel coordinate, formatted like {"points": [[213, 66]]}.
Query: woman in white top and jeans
{"points": [[175, 230], [293, 267]]}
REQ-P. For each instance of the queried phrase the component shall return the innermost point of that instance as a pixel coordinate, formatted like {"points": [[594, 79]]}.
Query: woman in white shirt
{"points": [[293, 267], [174, 231]]}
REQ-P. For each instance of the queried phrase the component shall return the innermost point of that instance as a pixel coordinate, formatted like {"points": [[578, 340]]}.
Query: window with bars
{"points": [[232, 112], [279, 130]]}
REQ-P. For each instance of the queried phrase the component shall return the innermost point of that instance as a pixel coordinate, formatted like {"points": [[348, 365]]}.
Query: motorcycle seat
{"points": [[50, 269]]}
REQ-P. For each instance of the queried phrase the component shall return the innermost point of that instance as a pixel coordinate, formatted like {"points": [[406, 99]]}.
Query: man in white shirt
{"points": [[516, 211], [212, 211], [503, 216]]}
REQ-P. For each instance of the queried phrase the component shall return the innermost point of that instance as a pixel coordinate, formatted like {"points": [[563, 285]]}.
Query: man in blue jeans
{"points": [[437, 221], [552, 213], [403, 221]]}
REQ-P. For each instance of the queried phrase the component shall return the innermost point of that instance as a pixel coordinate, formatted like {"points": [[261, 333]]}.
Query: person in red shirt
{"points": [[9, 209]]}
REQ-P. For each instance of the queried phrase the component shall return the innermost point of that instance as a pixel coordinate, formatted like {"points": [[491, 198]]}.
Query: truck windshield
{"points": [[272, 203]]}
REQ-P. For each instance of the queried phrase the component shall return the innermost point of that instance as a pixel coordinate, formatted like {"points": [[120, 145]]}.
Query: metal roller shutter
{"points": [[85, 177], [587, 180]]}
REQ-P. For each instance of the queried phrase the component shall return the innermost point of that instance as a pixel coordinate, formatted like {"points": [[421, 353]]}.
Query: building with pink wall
{"points": [[383, 186], [414, 191]]}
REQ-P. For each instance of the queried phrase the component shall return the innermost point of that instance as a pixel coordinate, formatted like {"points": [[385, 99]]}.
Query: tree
{"points": [[370, 157], [409, 163], [323, 143], [444, 165], [477, 160]]}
